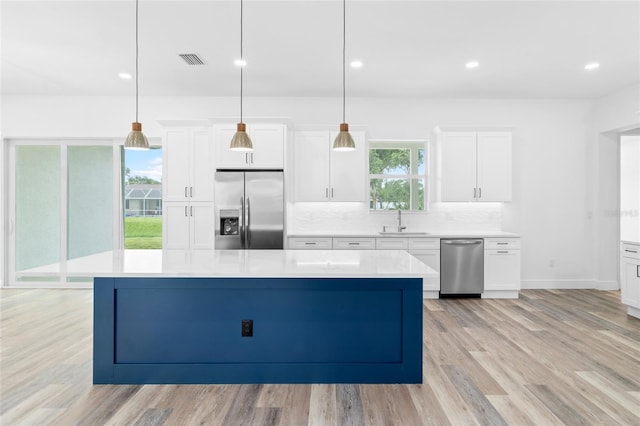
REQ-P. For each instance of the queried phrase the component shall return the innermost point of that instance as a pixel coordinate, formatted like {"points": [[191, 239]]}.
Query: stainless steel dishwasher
{"points": [[461, 267]]}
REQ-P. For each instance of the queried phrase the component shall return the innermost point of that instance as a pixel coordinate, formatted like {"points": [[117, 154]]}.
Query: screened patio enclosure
{"points": [[143, 200]]}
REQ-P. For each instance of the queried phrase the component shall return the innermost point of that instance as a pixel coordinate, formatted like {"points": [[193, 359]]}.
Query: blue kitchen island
{"points": [[259, 316]]}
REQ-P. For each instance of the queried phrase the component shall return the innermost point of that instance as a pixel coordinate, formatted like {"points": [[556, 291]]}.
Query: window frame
{"points": [[414, 145]]}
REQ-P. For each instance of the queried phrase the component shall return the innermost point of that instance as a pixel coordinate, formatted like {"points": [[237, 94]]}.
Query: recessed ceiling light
{"points": [[472, 64], [356, 64], [240, 63], [592, 66], [124, 75]]}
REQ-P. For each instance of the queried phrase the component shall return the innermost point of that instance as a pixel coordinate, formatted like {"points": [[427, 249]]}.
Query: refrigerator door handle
{"points": [[248, 225], [242, 224]]}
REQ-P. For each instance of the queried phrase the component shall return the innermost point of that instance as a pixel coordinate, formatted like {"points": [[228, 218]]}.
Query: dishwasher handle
{"points": [[461, 242]]}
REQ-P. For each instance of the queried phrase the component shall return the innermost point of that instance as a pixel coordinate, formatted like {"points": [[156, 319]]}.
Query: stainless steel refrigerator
{"points": [[249, 209]]}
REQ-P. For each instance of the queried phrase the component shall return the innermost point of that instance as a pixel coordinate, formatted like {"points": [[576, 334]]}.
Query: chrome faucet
{"points": [[400, 227]]}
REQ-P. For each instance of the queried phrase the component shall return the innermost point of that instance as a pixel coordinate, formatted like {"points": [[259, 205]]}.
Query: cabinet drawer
{"points": [[631, 250], [502, 243], [310, 243], [424, 243], [502, 269], [392, 243], [354, 243]]}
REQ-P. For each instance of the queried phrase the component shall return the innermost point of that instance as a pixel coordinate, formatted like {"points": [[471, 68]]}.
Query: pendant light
{"points": [[344, 141], [241, 140], [136, 139]]}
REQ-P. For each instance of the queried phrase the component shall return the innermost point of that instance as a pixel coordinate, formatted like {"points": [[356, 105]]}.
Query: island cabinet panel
{"points": [[304, 330], [289, 325]]}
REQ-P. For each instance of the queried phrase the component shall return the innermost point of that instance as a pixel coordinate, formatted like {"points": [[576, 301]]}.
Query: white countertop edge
{"points": [[257, 264], [233, 275]]}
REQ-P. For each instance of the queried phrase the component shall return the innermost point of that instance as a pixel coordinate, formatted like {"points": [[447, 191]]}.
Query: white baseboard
{"points": [[634, 312], [430, 294], [500, 294], [569, 284], [607, 285]]}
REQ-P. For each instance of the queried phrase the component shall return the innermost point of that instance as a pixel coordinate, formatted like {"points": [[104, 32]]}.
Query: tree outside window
{"points": [[397, 174]]}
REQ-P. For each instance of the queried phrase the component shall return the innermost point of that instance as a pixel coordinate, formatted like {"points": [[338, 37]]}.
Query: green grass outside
{"points": [[143, 232]]}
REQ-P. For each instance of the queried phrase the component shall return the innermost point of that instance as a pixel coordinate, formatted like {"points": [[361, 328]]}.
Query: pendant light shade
{"points": [[241, 140], [344, 141], [136, 139]]}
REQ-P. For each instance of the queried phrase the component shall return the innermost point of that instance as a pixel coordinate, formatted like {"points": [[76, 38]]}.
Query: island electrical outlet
{"points": [[247, 328]]}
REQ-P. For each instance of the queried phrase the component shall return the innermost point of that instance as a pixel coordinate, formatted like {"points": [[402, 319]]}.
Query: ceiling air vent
{"points": [[191, 58]]}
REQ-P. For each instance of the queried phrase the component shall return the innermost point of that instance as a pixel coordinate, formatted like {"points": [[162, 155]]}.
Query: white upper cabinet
{"points": [[312, 166], [494, 166], [458, 166], [322, 174], [188, 172], [476, 166], [268, 147]]}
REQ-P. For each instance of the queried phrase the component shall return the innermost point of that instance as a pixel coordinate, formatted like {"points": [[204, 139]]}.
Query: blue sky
{"points": [[144, 162]]}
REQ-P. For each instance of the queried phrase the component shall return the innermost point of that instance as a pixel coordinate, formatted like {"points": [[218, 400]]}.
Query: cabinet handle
{"points": [[191, 210], [185, 192], [309, 243], [479, 192], [503, 251], [252, 158], [638, 271], [354, 244], [475, 192], [502, 244], [326, 192], [630, 251], [191, 191], [331, 192], [246, 158], [185, 211]]}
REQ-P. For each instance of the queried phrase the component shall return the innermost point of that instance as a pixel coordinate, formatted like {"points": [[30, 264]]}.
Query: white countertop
{"points": [[408, 234], [263, 263]]}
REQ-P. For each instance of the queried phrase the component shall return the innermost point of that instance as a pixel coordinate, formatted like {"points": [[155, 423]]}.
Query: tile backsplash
{"points": [[356, 217]]}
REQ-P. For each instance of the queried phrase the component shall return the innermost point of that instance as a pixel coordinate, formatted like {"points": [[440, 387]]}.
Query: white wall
{"points": [[553, 200], [612, 114]]}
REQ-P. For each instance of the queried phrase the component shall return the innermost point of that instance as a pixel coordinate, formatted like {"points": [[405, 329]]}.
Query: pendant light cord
{"points": [[136, 61], [241, 57], [344, 56]]}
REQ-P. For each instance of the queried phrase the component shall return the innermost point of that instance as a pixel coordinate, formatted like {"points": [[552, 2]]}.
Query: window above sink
{"points": [[397, 175]]}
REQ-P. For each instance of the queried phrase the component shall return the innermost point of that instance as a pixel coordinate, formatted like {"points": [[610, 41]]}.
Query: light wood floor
{"points": [[551, 357]]}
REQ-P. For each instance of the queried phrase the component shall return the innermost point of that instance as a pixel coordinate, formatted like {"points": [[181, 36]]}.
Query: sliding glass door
{"points": [[65, 201]]}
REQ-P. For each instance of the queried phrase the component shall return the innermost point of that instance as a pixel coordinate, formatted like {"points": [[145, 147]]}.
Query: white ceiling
{"points": [[532, 49]]}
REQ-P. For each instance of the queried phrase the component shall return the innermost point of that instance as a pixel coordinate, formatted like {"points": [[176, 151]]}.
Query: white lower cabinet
{"points": [[188, 226], [430, 285], [426, 250], [354, 243], [310, 243], [630, 278], [392, 244], [501, 268]]}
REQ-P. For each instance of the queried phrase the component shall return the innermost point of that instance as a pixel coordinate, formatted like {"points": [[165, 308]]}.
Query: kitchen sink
{"points": [[409, 233]]}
